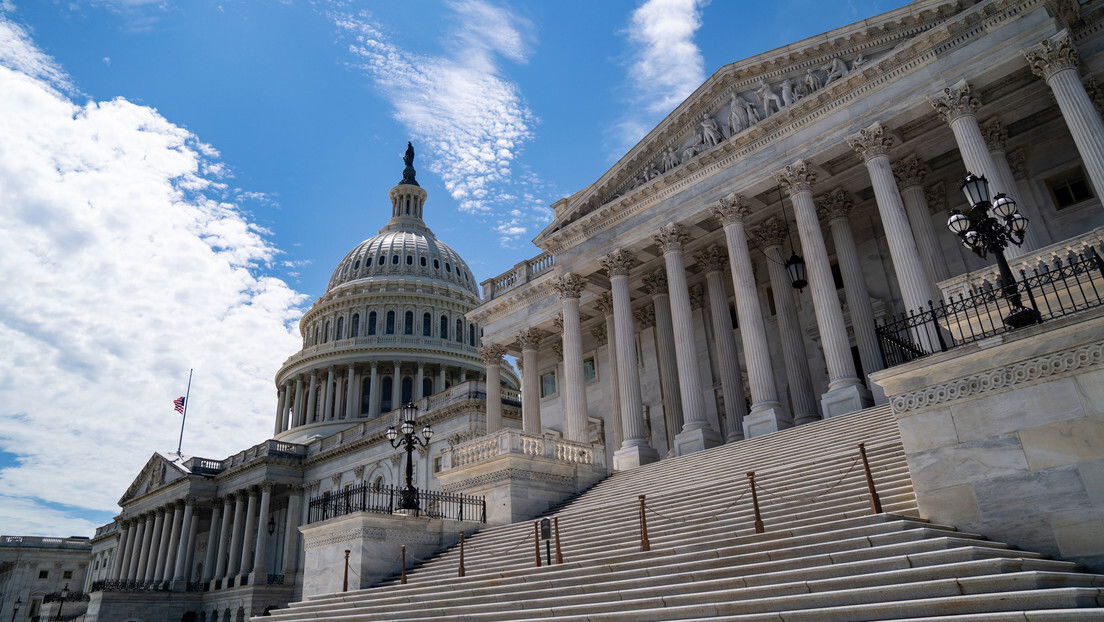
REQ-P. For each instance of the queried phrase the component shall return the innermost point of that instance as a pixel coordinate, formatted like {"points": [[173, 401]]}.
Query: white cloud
{"points": [[125, 262], [460, 105], [666, 63]]}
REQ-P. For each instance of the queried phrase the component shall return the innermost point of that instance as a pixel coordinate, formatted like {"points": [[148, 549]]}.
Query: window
{"points": [[372, 323], [459, 330], [471, 335], [68, 574], [354, 328], [423, 262], [407, 390], [548, 384], [1069, 188], [390, 323], [437, 464], [395, 259], [340, 328], [43, 574], [356, 265], [448, 267], [385, 394], [427, 325], [590, 371], [381, 260], [410, 260], [436, 264], [427, 386], [408, 323], [326, 332], [837, 276], [444, 327], [365, 394]]}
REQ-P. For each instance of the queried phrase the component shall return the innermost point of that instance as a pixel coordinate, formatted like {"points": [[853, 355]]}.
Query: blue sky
{"points": [[233, 151]]}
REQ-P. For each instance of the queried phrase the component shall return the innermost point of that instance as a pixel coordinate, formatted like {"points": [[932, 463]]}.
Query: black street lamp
{"points": [[15, 609], [989, 228], [61, 602], [408, 499]]}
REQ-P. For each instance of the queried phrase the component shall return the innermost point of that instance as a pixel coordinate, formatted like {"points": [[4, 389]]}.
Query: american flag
{"points": [[179, 404]]}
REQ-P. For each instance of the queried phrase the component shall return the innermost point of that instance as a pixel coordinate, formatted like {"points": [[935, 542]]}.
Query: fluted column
{"points": [[291, 531], [611, 373], [189, 559], [374, 392], [155, 545], [958, 106], [767, 414], [250, 533], [996, 136], [655, 284], [226, 530], [845, 392], [696, 433], [297, 415], [174, 541], [530, 339], [1055, 60], [213, 537], [260, 551], [911, 173], [396, 386], [837, 206], [234, 561], [281, 395], [635, 449], [418, 380], [181, 569], [441, 379], [147, 544], [136, 557], [118, 567], [491, 354], [350, 392], [328, 396], [311, 413], [570, 288], [713, 261]]}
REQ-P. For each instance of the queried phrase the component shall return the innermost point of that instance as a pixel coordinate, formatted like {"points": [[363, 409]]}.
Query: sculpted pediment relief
{"points": [[158, 472]]}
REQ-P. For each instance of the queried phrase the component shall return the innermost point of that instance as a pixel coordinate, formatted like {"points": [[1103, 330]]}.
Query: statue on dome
{"points": [[408, 171]]}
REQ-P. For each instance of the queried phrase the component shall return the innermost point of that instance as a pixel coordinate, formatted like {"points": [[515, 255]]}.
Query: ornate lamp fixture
{"points": [[408, 499], [983, 234]]}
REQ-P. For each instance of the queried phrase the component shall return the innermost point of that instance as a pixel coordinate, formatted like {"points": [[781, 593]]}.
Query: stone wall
{"points": [[1005, 437]]}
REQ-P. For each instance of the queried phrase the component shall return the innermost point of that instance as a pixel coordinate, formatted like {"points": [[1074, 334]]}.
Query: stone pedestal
{"points": [[765, 421], [845, 399], [519, 474], [627, 458], [697, 439]]}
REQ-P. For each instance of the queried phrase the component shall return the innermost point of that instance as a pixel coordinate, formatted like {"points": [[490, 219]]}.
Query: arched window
{"points": [[471, 335], [390, 323], [408, 323], [340, 328], [371, 323], [427, 386], [444, 327], [365, 395], [436, 264], [427, 325], [407, 390], [410, 260], [326, 332], [459, 330], [385, 394], [423, 262], [314, 339], [354, 329], [381, 260], [448, 267], [377, 484], [356, 265], [395, 259]]}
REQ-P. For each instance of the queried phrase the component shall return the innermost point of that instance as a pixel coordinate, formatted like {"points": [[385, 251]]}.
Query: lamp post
{"points": [[61, 602], [15, 608], [989, 227], [408, 499]]}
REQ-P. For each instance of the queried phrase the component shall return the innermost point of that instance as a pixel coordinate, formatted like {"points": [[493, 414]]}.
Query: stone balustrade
{"points": [[521, 273], [511, 441]]}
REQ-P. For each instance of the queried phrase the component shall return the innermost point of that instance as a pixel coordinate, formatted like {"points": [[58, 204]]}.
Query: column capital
{"points": [[604, 303], [956, 101], [1052, 55], [557, 349], [266, 487], [712, 259], [618, 262], [190, 500], [530, 338], [797, 177], [570, 285], [644, 316], [1017, 161], [731, 209], [491, 354], [697, 296], [558, 323], [599, 333], [995, 135], [773, 232], [910, 171], [655, 282], [936, 194], [835, 204], [871, 142], [671, 238]]}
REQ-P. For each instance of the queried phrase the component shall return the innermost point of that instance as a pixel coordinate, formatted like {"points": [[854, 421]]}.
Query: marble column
{"points": [[281, 397], [530, 339], [635, 449], [696, 433], [213, 537], [958, 106], [139, 548], [836, 207], [997, 139], [260, 551], [767, 414], [291, 532], [351, 410], [311, 413], [1055, 60], [174, 541], [118, 567], [845, 393], [358, 394], [570, 288], [144, 554], [250, 531], [713, 261], [419, 377], [441, 379], [155, 545], [374, 392], [396, 386], [328, 396], [181, 569], [189, 563], [226, 529], [491, 354], [911, 173], [234, 561], [611, 373], [297, 415], [655, 284]]}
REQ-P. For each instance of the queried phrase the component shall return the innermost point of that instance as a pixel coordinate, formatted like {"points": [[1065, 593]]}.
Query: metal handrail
{"points": [[384, 500]]}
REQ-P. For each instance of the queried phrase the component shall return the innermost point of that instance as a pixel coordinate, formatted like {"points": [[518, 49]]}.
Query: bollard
{"points": [[644, 544], [536, 542], [461, 572], [556, 526], [755, 503], [875, 501], [402, 579], [345, 581]]}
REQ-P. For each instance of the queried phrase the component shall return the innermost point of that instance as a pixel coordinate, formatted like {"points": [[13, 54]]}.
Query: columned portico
{"points": [[713, 261], [911, 173], [958, 105], [236, 534], [570, 287], [655, 284], [352, 408], [163, 547], [155, 544], [226, 529], [530, 339], [845, 392], [291, 531]]}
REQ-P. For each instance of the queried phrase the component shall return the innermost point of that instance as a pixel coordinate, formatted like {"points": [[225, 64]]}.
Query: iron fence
{"points": [[1053, 290], [109, 585], [385, 500]]}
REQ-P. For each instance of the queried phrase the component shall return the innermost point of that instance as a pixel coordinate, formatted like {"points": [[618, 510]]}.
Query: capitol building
{"points": [[826, 344]]}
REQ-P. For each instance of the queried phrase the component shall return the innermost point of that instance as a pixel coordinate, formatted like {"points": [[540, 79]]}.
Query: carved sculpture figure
{"points": [[767, 96], [737, 116], [710, 133], [800, 90], [670, 159], [812, 81], [752, 113], [787, 93], [859, 61], [836, 70], [692, 150]]}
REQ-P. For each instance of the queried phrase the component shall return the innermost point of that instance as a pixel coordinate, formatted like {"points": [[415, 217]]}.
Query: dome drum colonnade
{"points": [[897, 182]]}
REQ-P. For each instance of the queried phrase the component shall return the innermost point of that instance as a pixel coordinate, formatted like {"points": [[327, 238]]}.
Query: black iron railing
{"points": [[54, 597], [1054, 290], [385, 500], [275, 579], [108, 585]]}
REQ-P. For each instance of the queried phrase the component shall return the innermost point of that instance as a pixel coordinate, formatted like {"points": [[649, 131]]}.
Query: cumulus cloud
{"points": [[461, 105], [124, 261], [666, 64]]}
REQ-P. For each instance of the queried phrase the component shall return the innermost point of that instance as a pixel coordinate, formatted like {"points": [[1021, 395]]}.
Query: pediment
{"points": [[158, 472]]}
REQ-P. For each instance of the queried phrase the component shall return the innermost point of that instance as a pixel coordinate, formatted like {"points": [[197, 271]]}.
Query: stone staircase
{"points": [[823, 556]]}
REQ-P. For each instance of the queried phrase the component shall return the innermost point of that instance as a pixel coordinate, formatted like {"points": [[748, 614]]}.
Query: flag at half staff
{"points": [[179, 404]]}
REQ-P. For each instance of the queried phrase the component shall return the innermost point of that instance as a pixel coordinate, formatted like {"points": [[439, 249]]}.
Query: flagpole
{"points": [[184, 417]]}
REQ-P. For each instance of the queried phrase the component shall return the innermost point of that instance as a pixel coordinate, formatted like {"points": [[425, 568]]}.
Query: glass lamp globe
{"points": [[958, 222], [407, 427], [976, 189], [1003, 206], [970, 239], [391, 433], [427, 432], [1018, 223], [795, 266]]}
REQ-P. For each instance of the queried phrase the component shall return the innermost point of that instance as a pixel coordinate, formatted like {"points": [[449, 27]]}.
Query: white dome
{"points": [[401, 253]]}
